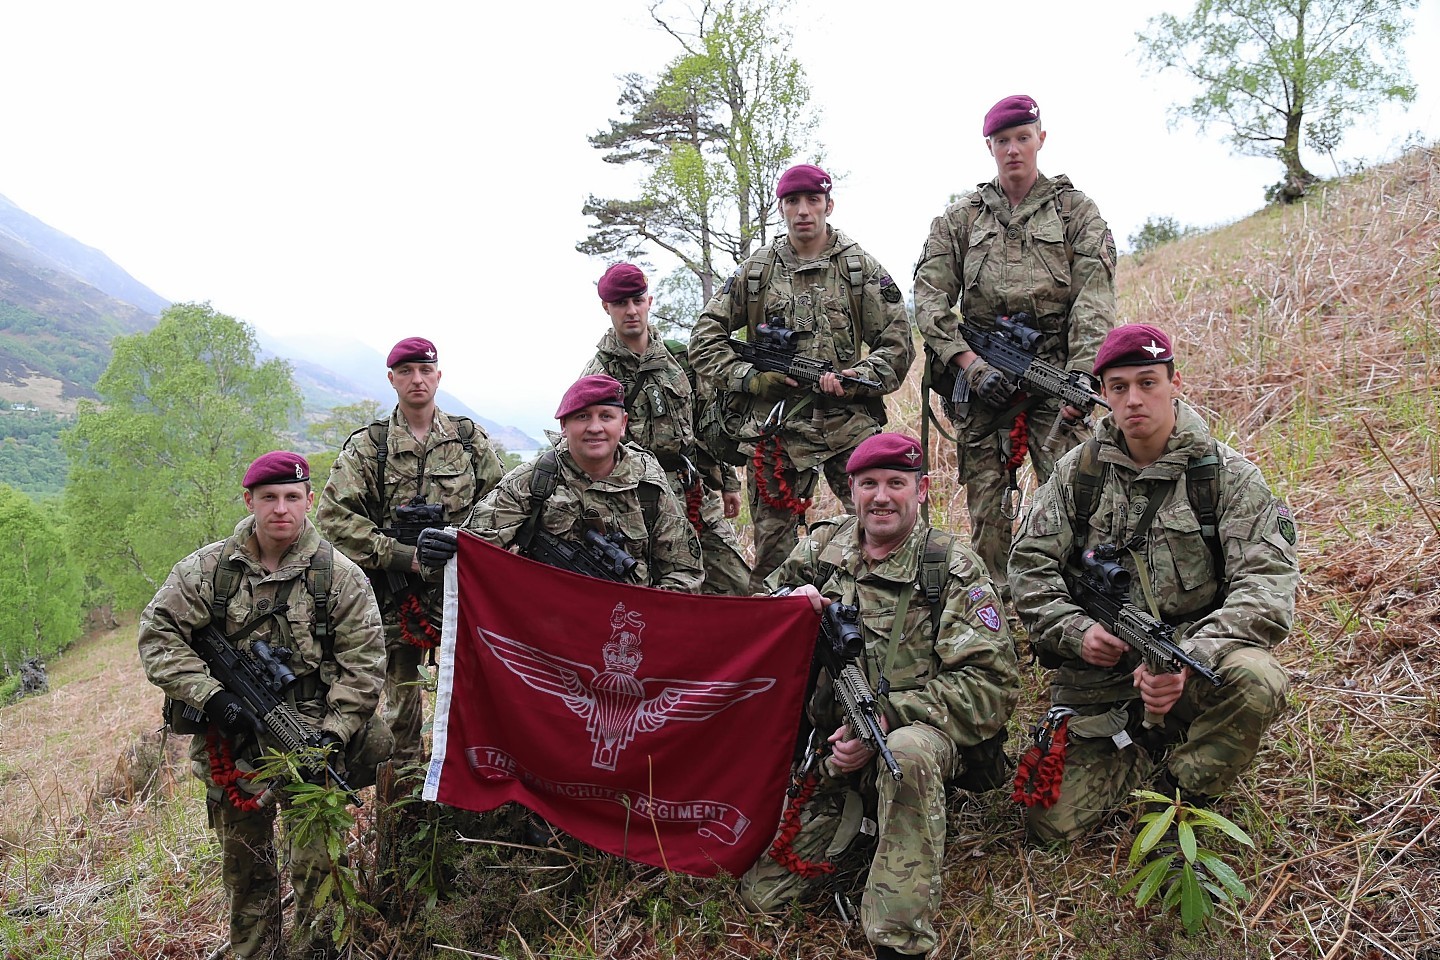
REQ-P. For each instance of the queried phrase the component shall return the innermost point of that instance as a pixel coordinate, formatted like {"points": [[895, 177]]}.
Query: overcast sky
{"points": [[375, 171]]}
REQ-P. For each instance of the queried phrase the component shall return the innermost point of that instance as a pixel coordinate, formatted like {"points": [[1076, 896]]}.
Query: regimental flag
{"points": [[658, 726]]}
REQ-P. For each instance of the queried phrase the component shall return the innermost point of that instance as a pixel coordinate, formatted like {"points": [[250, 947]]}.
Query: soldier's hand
{"points": [[990, 384], [434, 547], [849, 753], [830, 383], [229, 713], [1160, 691], [731, 501], [768, 385], [1101, 647], [334, 748]]}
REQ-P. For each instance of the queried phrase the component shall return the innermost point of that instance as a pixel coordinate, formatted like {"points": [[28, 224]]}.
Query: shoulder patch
{"points": [[990, 617], [1107, 250], [888, 290], [1285, 522]]}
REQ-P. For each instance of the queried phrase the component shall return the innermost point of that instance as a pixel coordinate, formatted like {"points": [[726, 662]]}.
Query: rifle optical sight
{"points": [[1099, 563], [1015, 329], [279, 678], [776, 333], [842, 627]]}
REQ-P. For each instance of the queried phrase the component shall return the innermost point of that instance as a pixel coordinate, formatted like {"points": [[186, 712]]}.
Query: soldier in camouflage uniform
{"points": [[943, 667], [1022, 243], [1153, 449], [660, 404], [844, 309], [431, 457], [601, 480], [275, 555]]}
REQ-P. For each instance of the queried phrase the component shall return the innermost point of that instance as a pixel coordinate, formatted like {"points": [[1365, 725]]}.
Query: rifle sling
{"points": [[1142, 528]]}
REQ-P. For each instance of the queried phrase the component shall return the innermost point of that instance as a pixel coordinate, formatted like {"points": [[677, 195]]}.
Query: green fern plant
{"points": [[1177, 868]]}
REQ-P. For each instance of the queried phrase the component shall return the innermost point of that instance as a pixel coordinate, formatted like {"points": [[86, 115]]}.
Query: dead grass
{"points": [[1309, 336]]}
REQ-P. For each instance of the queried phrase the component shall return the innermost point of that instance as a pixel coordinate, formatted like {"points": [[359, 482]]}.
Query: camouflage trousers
{"points": [[981, 455], [726, 572], [776, 528], [903, 887], [1216, 731], [402, 703], [249, 865]]}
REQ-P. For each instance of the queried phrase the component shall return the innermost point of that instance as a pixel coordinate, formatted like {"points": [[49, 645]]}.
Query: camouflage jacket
{"points": [[1250, 603], [668, 556], [1052, 257], [343, 690], [814, 298], [353, 508], [662, 413], [963, 682]]}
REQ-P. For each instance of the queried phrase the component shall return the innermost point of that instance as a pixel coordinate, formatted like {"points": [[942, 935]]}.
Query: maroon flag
{"points": [[658, 726]]}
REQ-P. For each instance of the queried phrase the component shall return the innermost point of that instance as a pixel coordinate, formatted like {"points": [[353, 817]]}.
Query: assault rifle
{"points": [[598, 555], [260, 678], [775, 351], [839, 651], [412, 518], [1010, 348], [1103, 589]]}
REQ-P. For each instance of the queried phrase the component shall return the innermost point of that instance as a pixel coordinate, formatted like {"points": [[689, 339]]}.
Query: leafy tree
{"points": [[715, 130], [343, 421], [1271, 70], [155, 467], [41, 587], [1156, 231]]}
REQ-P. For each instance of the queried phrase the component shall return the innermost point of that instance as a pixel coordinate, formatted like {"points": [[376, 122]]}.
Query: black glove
{"points": [[987, 382], [767, 384], [434, 546], [334, 751], [229, 713]]}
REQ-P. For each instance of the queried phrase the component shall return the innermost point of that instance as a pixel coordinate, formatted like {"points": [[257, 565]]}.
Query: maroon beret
{"points": [[412, 350], [1133, 345], [1011, 112], [803, 178], [278, 466], [621, 282], [889, 451], [588, 391]]}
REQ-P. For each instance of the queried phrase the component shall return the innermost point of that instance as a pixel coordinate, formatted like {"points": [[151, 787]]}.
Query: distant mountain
{"points": [[353, 371], [43, 245], [62, 302]]}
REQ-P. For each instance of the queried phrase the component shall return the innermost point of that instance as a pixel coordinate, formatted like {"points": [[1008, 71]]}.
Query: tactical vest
{"points": [[761, 265], [379, 434], [983, 765], [1202, 485], [544, 480], [940, 377], [319, 576]]}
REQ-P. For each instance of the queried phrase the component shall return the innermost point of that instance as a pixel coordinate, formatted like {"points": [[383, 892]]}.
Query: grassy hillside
{"points": [[1309, 334]]}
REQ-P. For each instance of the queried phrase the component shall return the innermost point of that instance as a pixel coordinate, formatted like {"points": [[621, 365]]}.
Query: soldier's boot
{"points": [[890, 953]]}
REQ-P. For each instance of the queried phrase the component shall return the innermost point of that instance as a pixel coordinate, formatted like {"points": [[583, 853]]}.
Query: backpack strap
{"points": [[379, 433], [318, 580], [1202, 487], [544, 478], [931, 578], [226, 584], [1202, 483], [757, 277], [1089, 478]]}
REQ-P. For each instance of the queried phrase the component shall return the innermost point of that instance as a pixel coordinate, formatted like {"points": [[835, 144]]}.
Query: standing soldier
{"points": [[1024, 244], [939, 658], [660, 403], [274, 580], [832, 302], [1212, 554], [419, 467], [591, 480]]}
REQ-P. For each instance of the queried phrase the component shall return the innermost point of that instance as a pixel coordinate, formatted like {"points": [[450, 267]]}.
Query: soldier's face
{"points": [[415, 383], [1015, 151], [280, 510], [887, 503], [630, 317], [805, 215], [1141, 399], [594, 432]]}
